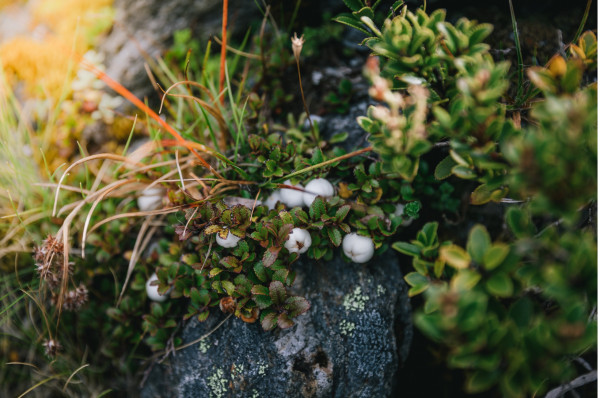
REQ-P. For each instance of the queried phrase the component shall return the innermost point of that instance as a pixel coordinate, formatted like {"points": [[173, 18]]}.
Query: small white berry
{"points": [[230, 241], [272, 200], [360, 249], [150, 199], [152, 290], [291, 197], [299, 241], [317, 187]]}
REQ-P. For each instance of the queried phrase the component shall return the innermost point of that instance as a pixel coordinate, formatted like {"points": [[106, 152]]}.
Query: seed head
{"points": [[297, 43]]}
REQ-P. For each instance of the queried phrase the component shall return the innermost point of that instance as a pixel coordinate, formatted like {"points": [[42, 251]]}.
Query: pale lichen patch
{"points": [[380, 290], [217, 383], [203, 346], [355, 301], [347, 328]]}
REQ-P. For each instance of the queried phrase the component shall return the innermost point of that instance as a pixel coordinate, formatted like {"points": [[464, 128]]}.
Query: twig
{"points": [[573, 384]]}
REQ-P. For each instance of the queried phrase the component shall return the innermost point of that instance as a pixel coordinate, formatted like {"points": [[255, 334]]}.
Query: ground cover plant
{"points": [[226, 192]]}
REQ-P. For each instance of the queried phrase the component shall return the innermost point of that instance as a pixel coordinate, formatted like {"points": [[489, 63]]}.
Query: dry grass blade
{"points": [[138, 248], [209, 108], [80, 161], [138, 214], [108, 189], [73, 374]]}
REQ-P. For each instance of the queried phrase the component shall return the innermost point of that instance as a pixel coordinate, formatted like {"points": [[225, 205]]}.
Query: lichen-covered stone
{"points": [[350, 343]]}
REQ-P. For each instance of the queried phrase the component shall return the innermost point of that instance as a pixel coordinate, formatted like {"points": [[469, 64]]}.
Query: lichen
{"points": [[355, 301], [380, 290], [262, 367], [347, 328], [203, 346], [217, 384]]}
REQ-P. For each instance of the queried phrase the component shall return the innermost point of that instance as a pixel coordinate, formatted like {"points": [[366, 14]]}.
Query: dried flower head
{"points": [[51, 347], [297, 43], [75, 299]]}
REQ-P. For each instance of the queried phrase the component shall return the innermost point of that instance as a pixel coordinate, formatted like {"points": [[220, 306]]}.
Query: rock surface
{"points": [[147, 26], [351, 343]]}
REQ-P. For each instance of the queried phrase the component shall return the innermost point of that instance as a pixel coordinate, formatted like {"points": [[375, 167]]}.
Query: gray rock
{"points": [[147, 26], [350, 343]]}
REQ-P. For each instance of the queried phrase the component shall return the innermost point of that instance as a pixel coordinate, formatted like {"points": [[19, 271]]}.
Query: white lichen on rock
{"points": [[262, 367], [355, 301], [217, 384], [203, 346], [380, 290], [347, 328]]}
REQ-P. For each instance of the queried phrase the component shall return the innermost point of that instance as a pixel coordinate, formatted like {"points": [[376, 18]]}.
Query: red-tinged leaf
{"points": [[277, 292], [203, 316], [270, 255], [269, 321], [296, 305], [284, 322], [230, 262], [260, 290]]}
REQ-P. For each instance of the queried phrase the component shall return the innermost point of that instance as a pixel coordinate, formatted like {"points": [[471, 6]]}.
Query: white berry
{"points": [[291, 197], [272, 200], [230, 241], [299, 241], [152, 290], [318, 187], [150, 199], [360, 249]]}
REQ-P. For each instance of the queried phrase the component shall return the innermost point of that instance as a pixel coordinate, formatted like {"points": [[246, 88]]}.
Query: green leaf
{"points": [[335, 236], [277, 292], [500, 285], [296, 305], [262, 302], [367, 124], [260, 290], [317, 209], [342, 212], [354, 5], [444, 169], [352, 22], [519, 222], [407, 248], [317, 157], [481, 380], [495, 255], [478, 243], [418, 283], [464, 172], [215, 271], [261, 273], [203, 316], [338, 138], [229, 287], [455, 256]]}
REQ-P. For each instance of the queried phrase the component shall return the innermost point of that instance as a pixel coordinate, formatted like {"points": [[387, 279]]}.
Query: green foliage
{"points": [[509, 311], [504, 309]]}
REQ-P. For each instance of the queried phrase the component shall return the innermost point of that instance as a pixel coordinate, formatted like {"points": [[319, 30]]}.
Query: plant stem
{"points": [[312, 128], [223, 52], [327, 162]]}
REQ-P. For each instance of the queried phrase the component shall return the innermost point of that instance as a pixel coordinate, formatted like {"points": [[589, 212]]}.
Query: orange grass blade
{"points": [[223, 52], [119, 88]]}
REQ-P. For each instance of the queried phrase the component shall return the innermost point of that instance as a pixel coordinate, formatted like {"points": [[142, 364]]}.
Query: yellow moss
{"points": [[42, 65]]}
